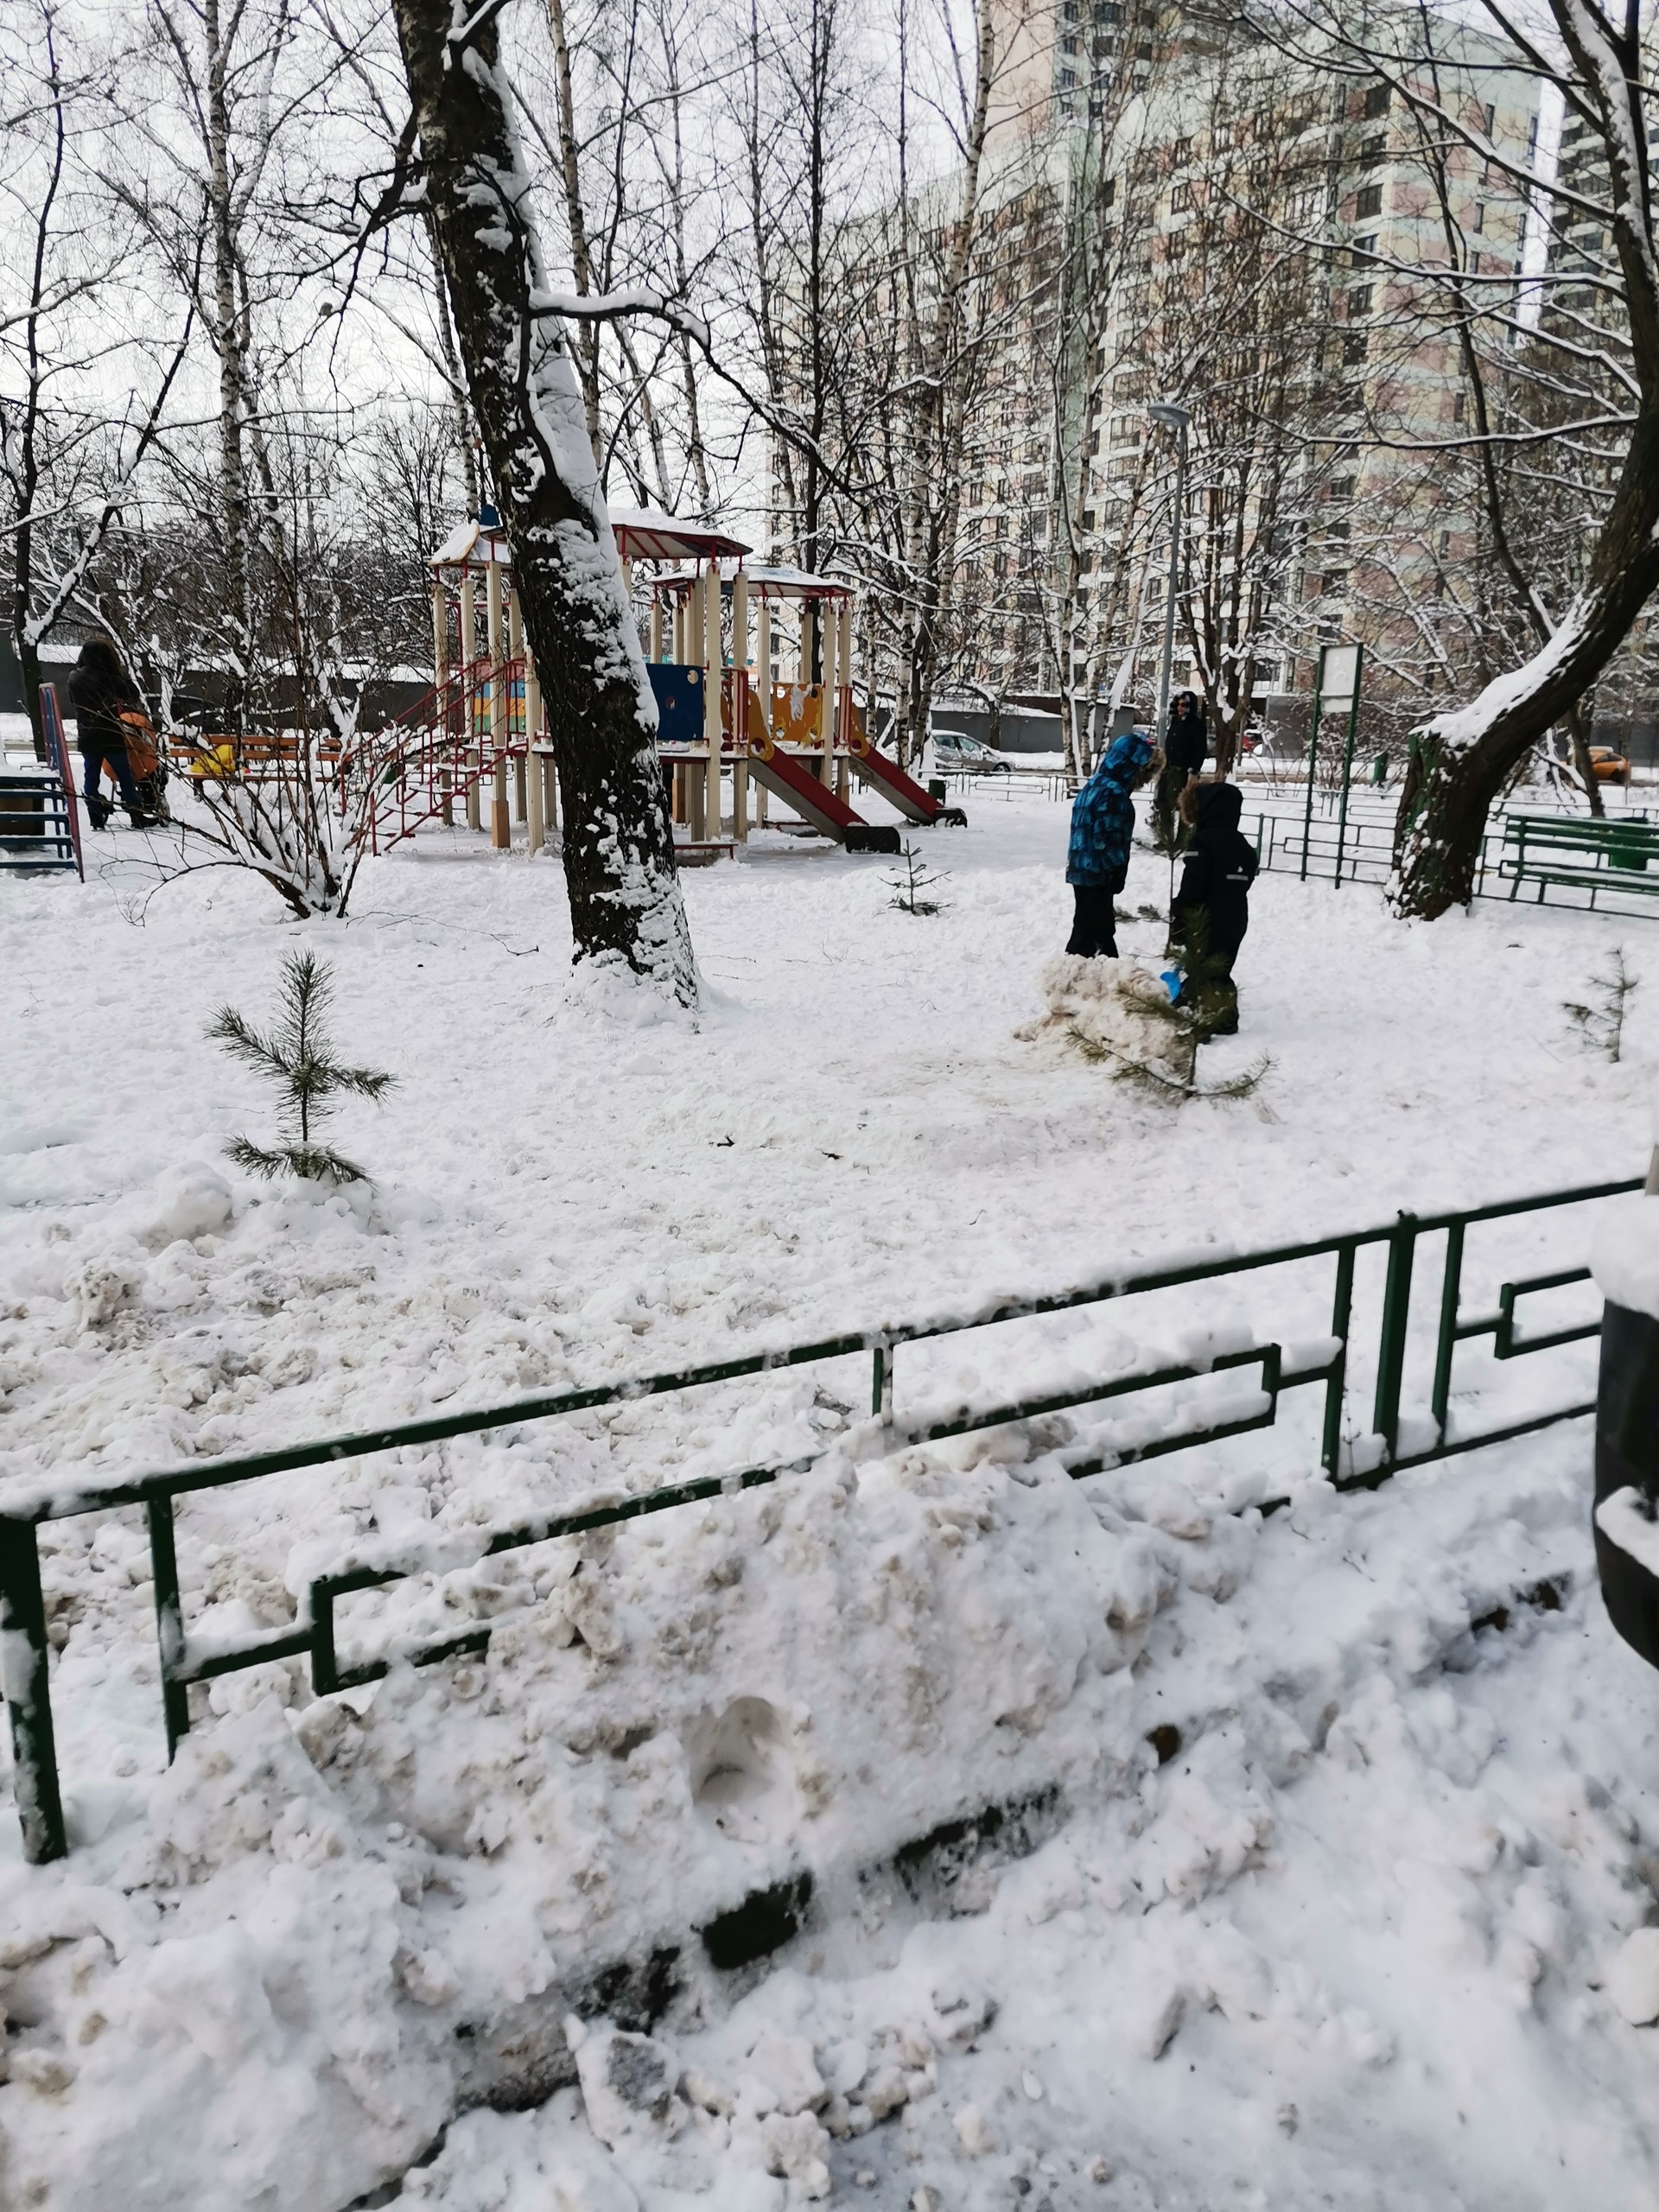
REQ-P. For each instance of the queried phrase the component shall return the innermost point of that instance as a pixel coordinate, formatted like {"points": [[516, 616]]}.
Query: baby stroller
{"points": [[149, 769]]}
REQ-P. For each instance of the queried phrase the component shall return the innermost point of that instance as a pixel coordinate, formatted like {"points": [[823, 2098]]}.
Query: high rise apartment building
{"points": [[1184, 157]]}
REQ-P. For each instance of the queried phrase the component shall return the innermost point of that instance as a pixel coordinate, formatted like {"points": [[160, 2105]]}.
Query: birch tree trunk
{"points": [[618, 854]]}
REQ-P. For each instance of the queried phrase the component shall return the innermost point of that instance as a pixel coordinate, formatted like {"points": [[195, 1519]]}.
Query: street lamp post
{"points": [[1179, 419]]}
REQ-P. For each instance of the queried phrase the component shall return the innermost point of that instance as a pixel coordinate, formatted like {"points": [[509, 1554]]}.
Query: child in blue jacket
{"points": [[1102, 828]]}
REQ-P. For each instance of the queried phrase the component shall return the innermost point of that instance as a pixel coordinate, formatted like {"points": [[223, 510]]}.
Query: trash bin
{"points": [[935, 788], [1627, 1456], [1380, 769]]}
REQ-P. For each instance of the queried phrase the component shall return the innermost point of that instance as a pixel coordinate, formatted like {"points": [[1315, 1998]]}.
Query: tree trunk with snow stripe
{"points": [[1460, 760], [618, 853]]}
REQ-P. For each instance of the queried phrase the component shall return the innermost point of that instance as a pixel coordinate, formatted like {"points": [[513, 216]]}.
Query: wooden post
{"points": [[844, 662], [468, 698], [827, 697], [693, 787], [440, 697], [763, 685], [740, 707], [521, 757], [714, 660], [656, 626], [501, 716]]}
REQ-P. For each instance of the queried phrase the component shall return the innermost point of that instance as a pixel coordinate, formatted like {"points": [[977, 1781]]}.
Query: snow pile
{"points": [[1117, 1011], [1059, 1784], [1626, 1262]]}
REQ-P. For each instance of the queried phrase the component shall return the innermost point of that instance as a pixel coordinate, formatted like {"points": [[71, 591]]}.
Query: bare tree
{"points": [[618, 859]]}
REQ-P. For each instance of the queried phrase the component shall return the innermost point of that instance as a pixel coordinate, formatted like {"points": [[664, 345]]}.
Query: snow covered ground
{"points": [[1319, 1832]]}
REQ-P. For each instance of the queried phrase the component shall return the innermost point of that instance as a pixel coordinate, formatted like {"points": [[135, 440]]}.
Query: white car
{"points": [[955, 754]]}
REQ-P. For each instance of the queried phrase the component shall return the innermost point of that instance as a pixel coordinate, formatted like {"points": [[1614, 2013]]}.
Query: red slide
{"points": [[798, 786], [894, 785]]}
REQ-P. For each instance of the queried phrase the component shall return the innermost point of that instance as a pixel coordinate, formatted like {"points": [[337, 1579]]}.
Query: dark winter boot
{"points": [[97, 812]]}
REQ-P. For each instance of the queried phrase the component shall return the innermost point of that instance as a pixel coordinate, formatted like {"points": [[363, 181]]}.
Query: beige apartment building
{"points": [[1147, 192]]}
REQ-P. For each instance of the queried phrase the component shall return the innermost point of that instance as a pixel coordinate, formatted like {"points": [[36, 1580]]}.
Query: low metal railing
{"points": [[1365, 1461]]}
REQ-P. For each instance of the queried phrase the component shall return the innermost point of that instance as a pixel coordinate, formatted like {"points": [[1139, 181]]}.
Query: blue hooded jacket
{"points": [[1103, 815]]}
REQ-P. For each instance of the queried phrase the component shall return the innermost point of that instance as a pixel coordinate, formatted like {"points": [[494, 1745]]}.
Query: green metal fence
{"points": [[25, 1646]]}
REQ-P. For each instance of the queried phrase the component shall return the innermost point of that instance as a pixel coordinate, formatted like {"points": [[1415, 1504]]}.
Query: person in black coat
{"points": [[1211, 910], [1186, 741], [99, 688]]}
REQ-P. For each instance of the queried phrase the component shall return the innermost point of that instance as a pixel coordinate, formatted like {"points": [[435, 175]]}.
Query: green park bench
{"points": [[1579, 854]]}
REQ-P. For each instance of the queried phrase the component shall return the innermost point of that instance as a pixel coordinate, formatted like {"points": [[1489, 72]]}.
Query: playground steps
{"points": [[35, 836]]}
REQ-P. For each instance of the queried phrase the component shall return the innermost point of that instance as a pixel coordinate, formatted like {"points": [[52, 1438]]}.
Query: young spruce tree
{"points": [[297, 1057]]}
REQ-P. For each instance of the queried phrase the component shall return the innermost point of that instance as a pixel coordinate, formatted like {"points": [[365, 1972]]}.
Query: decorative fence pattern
{"points": [[1393, 1441]]}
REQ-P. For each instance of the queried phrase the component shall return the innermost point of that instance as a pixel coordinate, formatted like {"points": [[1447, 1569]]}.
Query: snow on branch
{"points": [[614, 307]]}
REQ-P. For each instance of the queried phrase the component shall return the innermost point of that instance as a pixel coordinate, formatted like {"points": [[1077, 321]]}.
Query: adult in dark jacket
{"points": [[99, 688], [1102, 830], [1211, 910], [1186, 743]]}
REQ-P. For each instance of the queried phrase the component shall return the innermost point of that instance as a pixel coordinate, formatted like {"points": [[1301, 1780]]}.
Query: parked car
{"points": [[956, 754], [1608, 766]]}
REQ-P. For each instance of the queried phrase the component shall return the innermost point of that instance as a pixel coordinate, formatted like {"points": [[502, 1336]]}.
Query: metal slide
{"points": [[886, 777], [791, 780]]}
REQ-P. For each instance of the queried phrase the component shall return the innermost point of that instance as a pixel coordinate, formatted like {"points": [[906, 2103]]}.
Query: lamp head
{"points": [[1165, 412]]}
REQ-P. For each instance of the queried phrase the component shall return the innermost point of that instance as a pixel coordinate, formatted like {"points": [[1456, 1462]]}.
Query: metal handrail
{"points": [[22, 1624]]}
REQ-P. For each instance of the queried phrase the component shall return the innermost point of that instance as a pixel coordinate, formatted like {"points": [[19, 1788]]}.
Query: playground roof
{"points": [[786, 582], [472, 540], [771, 584], [643, 535]]}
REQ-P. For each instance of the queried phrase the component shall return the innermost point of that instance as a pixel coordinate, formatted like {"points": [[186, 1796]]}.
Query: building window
{"points": [[1370, 202], [1183, 152], [1336, 584], [1353, 348], [1376, 102], [1109, 195], [1373, 152], [1458, 406], [1068, 80], [1364, 250], [1180, 199], [1490, 117], [1359, 302], [1340, 487]]}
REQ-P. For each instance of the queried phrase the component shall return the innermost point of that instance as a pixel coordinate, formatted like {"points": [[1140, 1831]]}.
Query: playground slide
{"points": [[798, 786], [894, 785]]}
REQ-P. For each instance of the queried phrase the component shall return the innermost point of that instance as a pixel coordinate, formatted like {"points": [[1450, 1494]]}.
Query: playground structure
{"points": [[478, 742], [726, 720], [723, 708]]}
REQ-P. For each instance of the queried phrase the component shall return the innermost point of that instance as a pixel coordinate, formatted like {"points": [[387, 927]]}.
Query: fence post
{"points": [[1391, 1349], [169, 1620], [1342, 1307], [26, 1656], [1312, 758], [1445, 1343], [881, 1382]]}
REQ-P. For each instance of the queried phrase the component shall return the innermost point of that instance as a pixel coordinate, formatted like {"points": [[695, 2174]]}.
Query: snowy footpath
{"points": [[933, 1830]]}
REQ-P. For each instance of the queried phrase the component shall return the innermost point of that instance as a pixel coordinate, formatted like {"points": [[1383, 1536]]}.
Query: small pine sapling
{"points": [[907, 887], [1601, 1021], [297, 1057]]}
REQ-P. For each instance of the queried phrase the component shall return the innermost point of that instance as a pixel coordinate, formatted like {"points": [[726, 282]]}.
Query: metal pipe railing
{"points": [[25, 1646]]}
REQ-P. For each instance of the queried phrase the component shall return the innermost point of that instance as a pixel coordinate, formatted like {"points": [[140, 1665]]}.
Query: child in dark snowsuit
{"points": [[1102, 828], [1211, 910]]}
